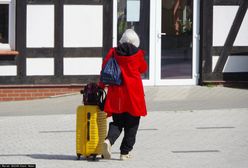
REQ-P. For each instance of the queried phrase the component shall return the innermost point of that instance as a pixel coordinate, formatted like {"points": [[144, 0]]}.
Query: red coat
{"points": [[129, 96]]}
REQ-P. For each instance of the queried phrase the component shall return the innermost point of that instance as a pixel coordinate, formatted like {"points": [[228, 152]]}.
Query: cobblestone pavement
{"points": [[203, 136]]}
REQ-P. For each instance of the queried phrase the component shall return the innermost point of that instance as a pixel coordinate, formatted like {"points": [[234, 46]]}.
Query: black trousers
{"points": [[130, 125]]}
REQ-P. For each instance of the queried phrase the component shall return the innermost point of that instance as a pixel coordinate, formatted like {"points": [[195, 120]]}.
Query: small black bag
{"points": [[94, 95], [111, 72], [90, 94]]}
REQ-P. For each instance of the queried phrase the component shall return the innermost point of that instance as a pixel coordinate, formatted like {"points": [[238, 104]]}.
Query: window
{"points": [[7, 24], [4, 23]]}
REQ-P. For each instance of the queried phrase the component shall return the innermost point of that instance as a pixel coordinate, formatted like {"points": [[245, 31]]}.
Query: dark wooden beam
{"points": [[107, 26], [236, 50], [85, 2], [21, 38], [80, 79], [226, 2], [58, 46], [83, 52], [236, 76], [39, 1], [206, 37]]}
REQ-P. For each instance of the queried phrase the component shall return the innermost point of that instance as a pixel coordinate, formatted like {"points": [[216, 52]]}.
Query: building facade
{"points": [[51, 47]]}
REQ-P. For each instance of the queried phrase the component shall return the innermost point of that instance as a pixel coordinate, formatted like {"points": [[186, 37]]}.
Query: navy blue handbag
{"points": [[111, 73]]}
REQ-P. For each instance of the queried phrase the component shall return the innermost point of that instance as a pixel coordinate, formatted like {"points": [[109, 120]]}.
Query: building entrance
{"points": [[169, 33], [177, 42]]}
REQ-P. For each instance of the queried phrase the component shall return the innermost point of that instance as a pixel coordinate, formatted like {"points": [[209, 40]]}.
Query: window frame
{"points": [[12, 12]]}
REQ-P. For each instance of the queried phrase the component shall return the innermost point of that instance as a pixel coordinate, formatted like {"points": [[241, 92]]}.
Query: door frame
{"points": [[155, 45], [157, 6]]}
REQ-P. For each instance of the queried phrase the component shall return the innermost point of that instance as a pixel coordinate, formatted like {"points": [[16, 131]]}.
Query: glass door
{"points": [[177, 42]]}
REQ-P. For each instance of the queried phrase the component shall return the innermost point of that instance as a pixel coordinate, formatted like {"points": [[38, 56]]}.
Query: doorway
{"points": [[177, 42], [169, 32]]}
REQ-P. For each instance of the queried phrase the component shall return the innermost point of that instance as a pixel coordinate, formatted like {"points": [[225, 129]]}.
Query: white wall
{"points": [[242, 37], [83, 25], [233, 64], [82, 66], [236, 64], [40, 66], [8, 70], [223, 17], [40, 26]]}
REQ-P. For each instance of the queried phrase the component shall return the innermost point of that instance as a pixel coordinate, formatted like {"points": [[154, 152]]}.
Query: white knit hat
{"points": [[130, 36]]}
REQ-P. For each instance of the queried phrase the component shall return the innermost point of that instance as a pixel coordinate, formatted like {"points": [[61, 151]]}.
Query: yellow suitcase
{"points": [[91, 130]]}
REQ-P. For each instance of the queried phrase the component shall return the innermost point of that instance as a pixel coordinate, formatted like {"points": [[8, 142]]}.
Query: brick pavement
{"points": [[187, 127], [204, 138]]}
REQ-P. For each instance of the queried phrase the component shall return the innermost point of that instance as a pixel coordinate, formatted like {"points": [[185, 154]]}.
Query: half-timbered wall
{"points": [[224, 40], [59, 42], [64, 41]]}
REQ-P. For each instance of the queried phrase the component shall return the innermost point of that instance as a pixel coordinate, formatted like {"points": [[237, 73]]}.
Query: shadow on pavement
{"points": [[54, 157], [64, 157], [43, 156]]}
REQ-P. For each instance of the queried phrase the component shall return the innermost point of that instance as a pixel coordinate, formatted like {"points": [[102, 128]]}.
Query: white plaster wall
{"points": [[8, 70], [82, 66], [40, 26], [242, 37], [83, 25], [5, 1], [223, 17], [40, 66], [214, 61], [236, 64], [233, 64]]}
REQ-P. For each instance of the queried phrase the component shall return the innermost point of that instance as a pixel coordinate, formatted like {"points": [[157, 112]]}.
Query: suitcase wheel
{"points": [[78, 156], [94, 157]]}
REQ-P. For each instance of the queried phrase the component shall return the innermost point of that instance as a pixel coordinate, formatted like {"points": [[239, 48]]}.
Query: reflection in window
{"points": [[178, 15], [4, 23], [176, 46], [141, 27], [121, 14]]}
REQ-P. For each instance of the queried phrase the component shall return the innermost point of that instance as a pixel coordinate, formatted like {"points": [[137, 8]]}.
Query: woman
{"points": [[125, 103]]}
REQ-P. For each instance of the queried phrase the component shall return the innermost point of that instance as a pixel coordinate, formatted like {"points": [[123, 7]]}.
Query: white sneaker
{"points": [[106, 149], [125, 157]]}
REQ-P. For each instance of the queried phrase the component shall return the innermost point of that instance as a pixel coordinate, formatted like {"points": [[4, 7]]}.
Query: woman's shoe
{"points": [[125, 157], [106, 149]]}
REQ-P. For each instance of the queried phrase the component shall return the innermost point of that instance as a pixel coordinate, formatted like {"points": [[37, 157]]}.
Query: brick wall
{"points": [[31, 92]]}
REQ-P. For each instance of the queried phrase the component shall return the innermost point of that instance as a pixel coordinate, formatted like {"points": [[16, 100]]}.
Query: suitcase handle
{"points": [[88, 126]]}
